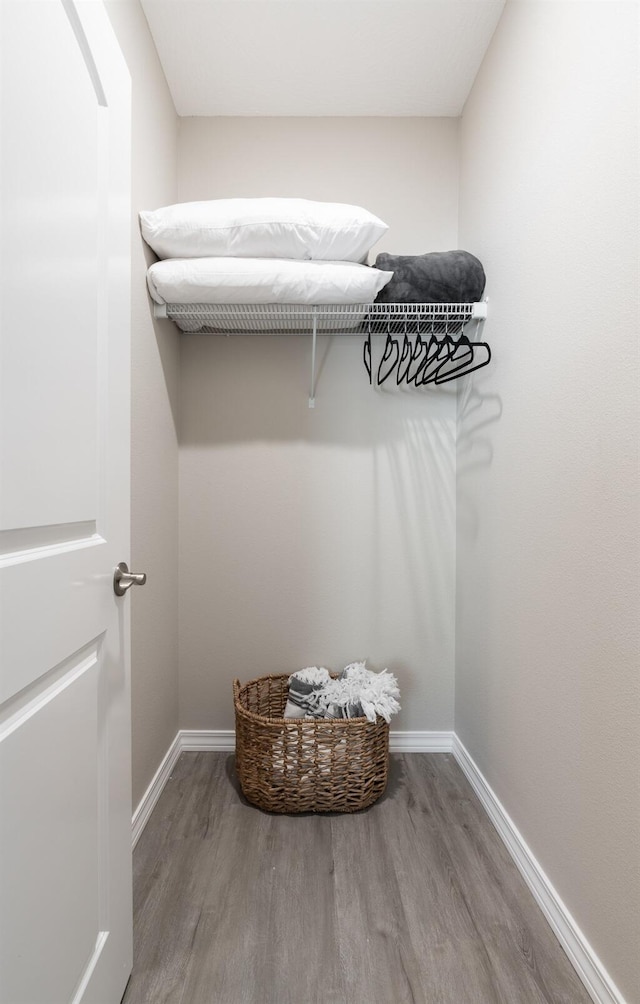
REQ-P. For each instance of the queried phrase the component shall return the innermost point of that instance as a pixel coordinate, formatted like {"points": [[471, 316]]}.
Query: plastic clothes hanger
{"points": [[433, 352], [447, 351], [424, 374], [391, 350], [468, 363], [417, 361], [366, 353], [404, 362], [439, 351], [450, 359]]}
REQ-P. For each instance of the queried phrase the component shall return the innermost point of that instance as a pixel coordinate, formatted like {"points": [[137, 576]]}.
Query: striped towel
{"points": [[305, 693]]}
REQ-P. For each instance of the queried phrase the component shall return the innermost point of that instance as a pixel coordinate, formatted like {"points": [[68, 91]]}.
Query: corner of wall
{"points": [[154, 433]]}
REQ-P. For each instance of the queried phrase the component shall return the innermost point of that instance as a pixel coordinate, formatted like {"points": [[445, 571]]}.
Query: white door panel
{"points": [[50, 162], [66, 596], [45, 779], [65, 805]]}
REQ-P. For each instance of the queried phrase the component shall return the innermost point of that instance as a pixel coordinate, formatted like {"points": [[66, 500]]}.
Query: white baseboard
{"points": [[208, 740], [153, 792], [597, 981], [584, 960], [224, 741], [420, 742]]}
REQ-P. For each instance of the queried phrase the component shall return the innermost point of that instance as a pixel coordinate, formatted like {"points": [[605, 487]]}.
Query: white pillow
{"points": [[262, 228], [263, 280]]}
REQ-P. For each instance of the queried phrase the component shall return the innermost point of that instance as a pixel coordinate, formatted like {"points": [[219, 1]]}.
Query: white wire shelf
{"points": [[336, 319], [433, 333]]}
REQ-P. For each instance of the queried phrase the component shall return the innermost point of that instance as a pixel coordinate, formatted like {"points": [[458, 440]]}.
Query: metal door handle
{"points": [[123, 578]]}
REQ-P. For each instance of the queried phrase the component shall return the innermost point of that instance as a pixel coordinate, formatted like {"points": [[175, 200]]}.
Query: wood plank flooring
{"points": [[412, 900]]}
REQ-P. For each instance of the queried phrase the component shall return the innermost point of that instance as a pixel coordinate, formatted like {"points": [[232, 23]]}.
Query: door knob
{"points": [[123, 578]]}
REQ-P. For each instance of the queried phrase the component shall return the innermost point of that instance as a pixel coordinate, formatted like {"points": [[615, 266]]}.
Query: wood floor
{"points": [[413, 900]]}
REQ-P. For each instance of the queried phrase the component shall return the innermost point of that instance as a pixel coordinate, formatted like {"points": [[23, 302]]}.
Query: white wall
{"points": [[404, 170], [548, 578], [154, 414], [327, 535]]}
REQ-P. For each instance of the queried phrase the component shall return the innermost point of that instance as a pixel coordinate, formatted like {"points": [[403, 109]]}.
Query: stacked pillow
{"points": [[263, 251]]}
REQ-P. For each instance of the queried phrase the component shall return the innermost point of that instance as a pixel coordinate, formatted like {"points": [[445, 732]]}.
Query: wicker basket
{"points": [[302, 765]]}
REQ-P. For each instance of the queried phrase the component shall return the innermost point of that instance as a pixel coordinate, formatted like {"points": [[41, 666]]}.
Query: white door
{"points": [[65, 809]]}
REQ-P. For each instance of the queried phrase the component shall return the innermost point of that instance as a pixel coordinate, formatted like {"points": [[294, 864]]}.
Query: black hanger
{"points": [[448, 355], [404, 361], [468, 363], [391, 350], [438, 352], [418, 360], [437, 360], [366, 354]]}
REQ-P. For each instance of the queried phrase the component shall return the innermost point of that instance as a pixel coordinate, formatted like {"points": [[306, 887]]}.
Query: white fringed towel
{"points": [[357, 692]]}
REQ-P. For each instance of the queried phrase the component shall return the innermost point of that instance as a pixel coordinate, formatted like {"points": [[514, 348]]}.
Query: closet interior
{"points": [[436, 529]]}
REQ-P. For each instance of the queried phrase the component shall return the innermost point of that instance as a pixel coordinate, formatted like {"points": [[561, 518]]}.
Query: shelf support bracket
{"points": [[314, 333]]}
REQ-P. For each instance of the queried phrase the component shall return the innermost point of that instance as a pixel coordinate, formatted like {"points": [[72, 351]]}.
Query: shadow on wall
{"points": [[244, 388], [477, 412], [329, 531], [421, 475]]}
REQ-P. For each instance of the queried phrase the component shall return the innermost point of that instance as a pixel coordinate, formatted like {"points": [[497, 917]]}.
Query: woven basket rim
{"points": [[342, 722]]}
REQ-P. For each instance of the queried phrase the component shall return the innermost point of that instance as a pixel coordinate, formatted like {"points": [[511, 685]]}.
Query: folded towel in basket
{"points": [[304, 698], [360, 692], [357, 692]]}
